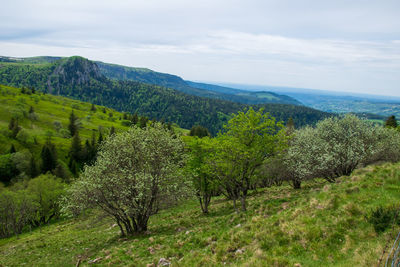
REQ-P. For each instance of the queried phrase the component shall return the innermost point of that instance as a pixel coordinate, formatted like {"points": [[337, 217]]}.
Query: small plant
{"points": [[383, 217]]}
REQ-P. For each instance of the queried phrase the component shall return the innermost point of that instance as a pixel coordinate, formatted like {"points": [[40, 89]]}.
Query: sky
{"points": [[341, 45]]}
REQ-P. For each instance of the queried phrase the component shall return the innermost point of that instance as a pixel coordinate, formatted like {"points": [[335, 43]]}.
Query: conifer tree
{"points": [[49, 156], [33, 171], [134, 119], [100, 140], [93, 108], [72, 126], [12, 123], [76, 148], [112, 131], [391, 122]]}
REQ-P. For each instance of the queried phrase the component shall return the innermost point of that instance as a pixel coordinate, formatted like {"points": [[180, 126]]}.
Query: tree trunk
{"points": [[243, 202], [296, 184]]}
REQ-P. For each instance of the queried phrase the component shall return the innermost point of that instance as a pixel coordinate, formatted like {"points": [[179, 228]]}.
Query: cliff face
{"points": [[72, 71]]}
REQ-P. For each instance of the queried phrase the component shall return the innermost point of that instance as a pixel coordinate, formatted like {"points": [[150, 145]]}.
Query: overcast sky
{"points": [[337, 45]]}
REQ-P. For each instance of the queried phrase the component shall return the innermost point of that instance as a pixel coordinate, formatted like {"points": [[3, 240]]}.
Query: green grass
{"points": [[49, 109], [320, 225]]}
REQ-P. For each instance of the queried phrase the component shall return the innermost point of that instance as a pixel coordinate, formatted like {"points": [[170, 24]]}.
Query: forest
{"points": [[82, 79]]}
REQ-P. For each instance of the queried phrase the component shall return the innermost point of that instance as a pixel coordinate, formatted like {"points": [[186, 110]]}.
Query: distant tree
{"points": [[143, 121], [12, 123], [73, 166], [290, 127], [112, 131], [75, 151], [8, 169], [93, 108], [134, 119], [14, 127], [33, 169], [199, 131], [136, 174], [100, 139], [48, 156], [62, 172], [391, 122], [72, 126], [31, 110]]}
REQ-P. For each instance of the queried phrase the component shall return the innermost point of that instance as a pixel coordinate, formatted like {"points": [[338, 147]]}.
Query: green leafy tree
{"points": [[203, 179], [199, 131], [46, 191], [16, 210], [136, 173], [250, 138], [8, 170]]}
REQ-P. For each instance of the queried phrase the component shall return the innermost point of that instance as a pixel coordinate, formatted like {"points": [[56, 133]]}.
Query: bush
{"points": [[16, 210], [8, 169], [383, 217], [45, 192], [336, 146], [126, 123]]}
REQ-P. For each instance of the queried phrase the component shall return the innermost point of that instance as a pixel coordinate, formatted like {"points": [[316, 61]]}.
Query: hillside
{"points": [[320, 225], [82, 79], [42, 117], [249, 97], [143, 75]]}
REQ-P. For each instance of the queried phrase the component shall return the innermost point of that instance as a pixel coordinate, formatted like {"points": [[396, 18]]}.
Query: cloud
{"points": [[340, 45]]}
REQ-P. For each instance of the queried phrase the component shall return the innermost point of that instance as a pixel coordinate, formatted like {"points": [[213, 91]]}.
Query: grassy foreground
{"points": [[320, 225]]}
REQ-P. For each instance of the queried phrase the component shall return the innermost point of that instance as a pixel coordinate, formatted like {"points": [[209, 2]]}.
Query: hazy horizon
{"points": [[342, 46]]}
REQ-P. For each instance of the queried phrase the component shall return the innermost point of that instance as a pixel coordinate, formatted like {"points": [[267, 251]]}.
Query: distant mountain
{"points": [[123, 73], [83, 79], [338, 102], [255, 97], [119, 72]]}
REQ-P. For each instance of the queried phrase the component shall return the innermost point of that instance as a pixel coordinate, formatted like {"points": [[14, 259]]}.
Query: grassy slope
{"points": [[50, 108], [320, 225]]}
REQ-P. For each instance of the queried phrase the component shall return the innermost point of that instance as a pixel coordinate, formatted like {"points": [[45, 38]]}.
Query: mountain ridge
{"points": [[79, 78]]}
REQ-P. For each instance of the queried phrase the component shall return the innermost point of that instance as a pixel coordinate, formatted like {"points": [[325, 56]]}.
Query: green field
{"points": [[320, 225], [50, 109]]}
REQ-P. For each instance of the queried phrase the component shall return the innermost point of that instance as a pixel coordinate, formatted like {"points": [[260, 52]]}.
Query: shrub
{"points": [[45, 191], [383, 217], [16, 210], [336, 146]]}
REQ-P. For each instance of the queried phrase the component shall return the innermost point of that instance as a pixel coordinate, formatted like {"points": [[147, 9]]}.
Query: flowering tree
{"points": [[136, 172], [336, 146]]}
